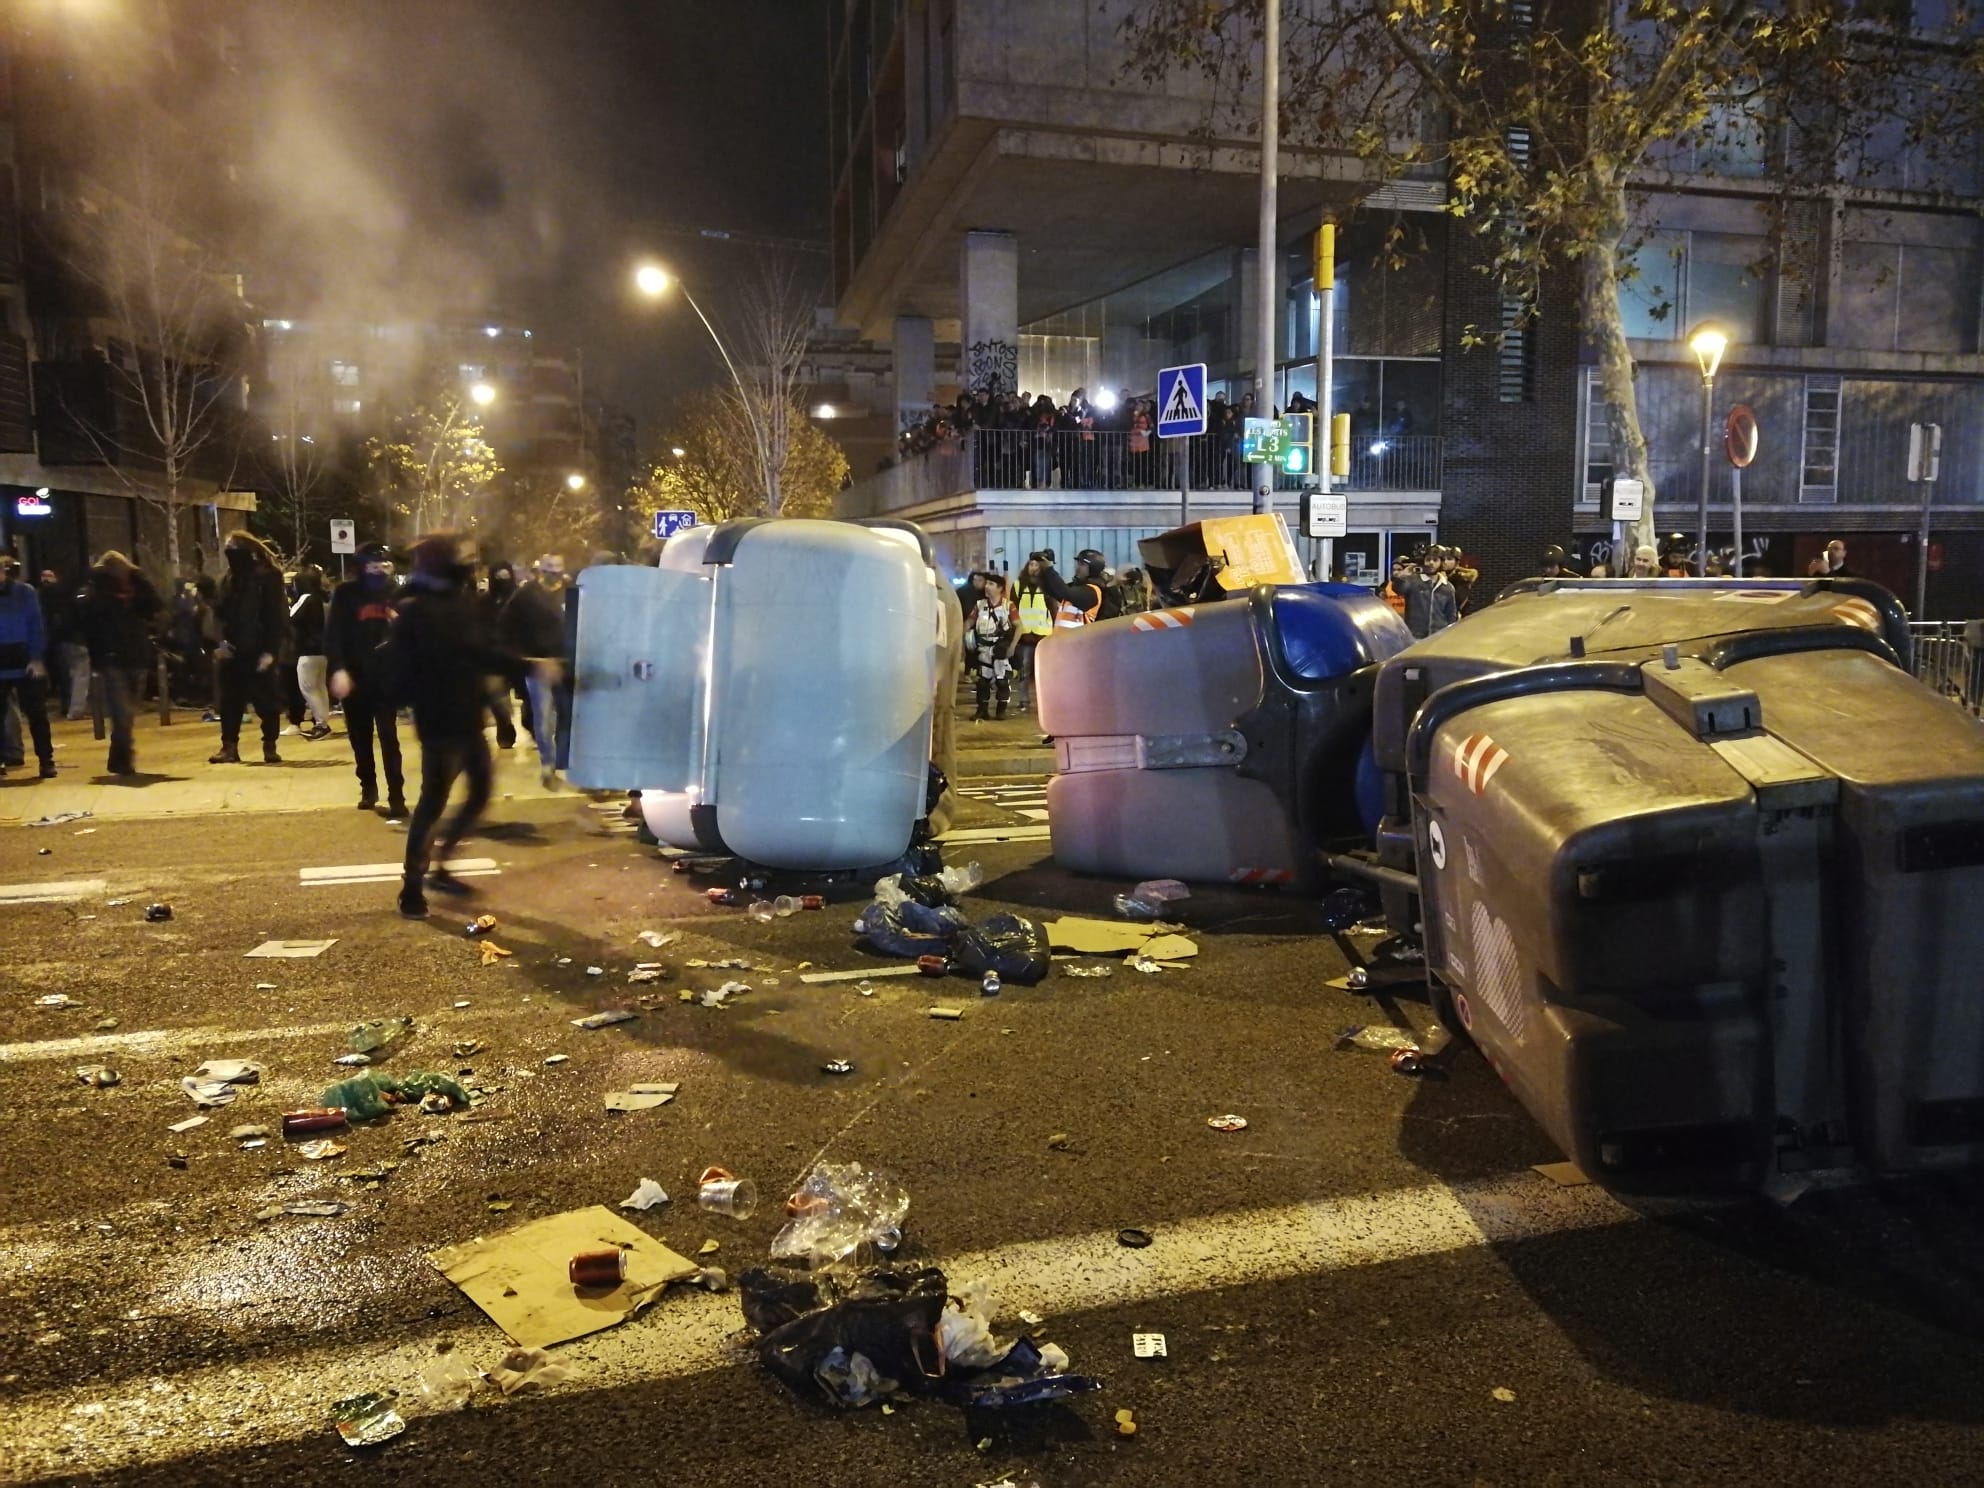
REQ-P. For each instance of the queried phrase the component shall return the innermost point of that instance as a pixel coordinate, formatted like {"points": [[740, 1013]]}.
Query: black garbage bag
{"points": [[868, 1336], [1013, 947], [908, 929], [1021, 1378], [928, 889]]}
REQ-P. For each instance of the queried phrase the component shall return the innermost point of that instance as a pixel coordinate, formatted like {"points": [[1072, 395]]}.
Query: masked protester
{"points": [[533, 625], [117, 617], [441, 657], [361, 617], [502, 586], [24, 660], [254, 623], [307, 617]]}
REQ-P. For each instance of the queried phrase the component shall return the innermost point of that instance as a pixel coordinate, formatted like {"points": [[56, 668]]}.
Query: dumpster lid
{"points": [[1245, 551]]}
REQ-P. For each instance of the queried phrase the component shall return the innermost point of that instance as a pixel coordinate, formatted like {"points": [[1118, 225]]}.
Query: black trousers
{"points": [[240, 685], [365, 712], [32, 694], [442, 762]]}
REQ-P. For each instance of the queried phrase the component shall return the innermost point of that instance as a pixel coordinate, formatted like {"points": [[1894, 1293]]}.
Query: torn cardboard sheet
{"points": [[641, 1097], [519, 1278], [292, 950], [1113, 937]]}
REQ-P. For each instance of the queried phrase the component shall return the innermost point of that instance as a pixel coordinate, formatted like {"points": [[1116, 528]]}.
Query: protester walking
{"points": [[502, 587], [24, 661], [355, 631], [253, 627], [533, 626], [441, 658], [68, 656], [118, 617], [307, 617]]}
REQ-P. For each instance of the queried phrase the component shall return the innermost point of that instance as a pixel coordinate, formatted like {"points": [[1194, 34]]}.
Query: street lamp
{"points": [[652, 280], [481, 394], [575, 482], [1708, 342], [678, 451], [825, 411]]}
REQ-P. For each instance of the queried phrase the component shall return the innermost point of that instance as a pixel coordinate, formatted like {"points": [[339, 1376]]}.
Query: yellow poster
{"points": [[1257, 550]]}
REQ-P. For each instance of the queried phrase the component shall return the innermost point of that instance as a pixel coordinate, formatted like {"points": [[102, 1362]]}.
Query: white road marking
{"points": [[162, 1040], [363, 873], [972, 836], [66, 892], [281, 1397]]}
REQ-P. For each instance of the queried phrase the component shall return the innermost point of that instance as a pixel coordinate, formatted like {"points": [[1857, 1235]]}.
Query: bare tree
{"points": [[171, 324], [770, 330], [299, 457]]}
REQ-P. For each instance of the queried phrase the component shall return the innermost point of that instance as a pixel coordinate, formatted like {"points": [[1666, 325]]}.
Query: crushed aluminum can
{"points": [[100, 1078], [158, 913], [367, 1420], [1408, 1062], [838, 1067], [1227, 1123], [480, 925], [933, 966], [1359, 977]]}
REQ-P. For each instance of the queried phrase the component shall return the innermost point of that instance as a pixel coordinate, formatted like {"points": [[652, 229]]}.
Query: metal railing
{"points": [[1946, 660], [1113, 460]]}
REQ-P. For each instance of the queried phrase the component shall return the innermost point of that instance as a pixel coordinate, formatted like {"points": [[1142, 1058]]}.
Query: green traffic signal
{"points": [[1295, 459]]}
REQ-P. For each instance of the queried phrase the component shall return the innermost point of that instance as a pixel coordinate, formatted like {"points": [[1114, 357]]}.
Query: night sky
{"points": [[516, 156]]}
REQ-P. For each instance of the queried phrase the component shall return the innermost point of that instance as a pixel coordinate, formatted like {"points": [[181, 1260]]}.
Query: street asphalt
{"points": [[1368, 1284]]}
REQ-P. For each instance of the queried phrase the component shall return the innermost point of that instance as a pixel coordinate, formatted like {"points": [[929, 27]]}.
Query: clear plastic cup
{"points": [[724, 1193], [761, 911], [785, 906]]}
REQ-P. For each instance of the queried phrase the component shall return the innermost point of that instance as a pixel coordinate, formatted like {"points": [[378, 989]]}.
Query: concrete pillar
{"points": [[989, 329], [1123, 359], [915, 370]]}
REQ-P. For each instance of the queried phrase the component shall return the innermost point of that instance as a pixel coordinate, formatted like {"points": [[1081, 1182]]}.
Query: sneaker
{"points": [[441, 881], [396, 809], [321, 731], [227, 756], [210, 716], [548, 777], [368, 801], [48, 769], [413, 904], [269, 755]]}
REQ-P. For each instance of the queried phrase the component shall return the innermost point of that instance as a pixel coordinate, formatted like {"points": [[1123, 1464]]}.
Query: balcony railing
{"points": [[16, 401], [1067, 460]]}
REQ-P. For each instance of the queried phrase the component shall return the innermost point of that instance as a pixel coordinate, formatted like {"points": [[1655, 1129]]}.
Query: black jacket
{"points": [[117, 617], [306, 622], [355, 629], [253, 617], [533, 622], [59, 613], [442, 657]]}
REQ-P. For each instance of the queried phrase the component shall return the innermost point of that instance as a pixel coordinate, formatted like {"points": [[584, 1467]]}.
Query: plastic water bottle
{"points": [[990, 986]]}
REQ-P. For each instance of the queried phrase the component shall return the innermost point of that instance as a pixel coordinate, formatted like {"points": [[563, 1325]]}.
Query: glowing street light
{"points": [[652, 280], [1708, 342], [575, 482], [825, 411], [678, 451], [481, 394]]}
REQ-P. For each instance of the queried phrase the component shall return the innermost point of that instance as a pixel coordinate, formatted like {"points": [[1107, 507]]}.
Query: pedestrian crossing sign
{"points": [[1181, 401]]}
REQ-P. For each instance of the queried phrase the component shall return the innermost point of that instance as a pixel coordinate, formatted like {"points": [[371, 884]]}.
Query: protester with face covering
{"points": [[361, 617], [69, 658], [307, 616], [24, 660], [441, 658], [533, 625], [117, 618], [502, 586], [253, 627]]}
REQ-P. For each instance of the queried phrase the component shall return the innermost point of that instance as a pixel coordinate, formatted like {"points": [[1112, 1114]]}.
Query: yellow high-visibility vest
{"points": [[1035, 618]]}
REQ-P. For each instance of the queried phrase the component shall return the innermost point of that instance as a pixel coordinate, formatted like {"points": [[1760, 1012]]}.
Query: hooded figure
{"points": [[533, 626], [117, 616], [502, 586], [254, 625], [355, 633]]}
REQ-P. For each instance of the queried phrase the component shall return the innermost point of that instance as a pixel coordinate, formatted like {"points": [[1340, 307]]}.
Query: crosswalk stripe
{"points": [[359, 873], [975, 836], [65, 892], [86, 1429]]}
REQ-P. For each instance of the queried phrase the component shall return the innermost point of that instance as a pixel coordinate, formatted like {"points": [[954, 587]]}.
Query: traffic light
{"points": [[1298, 456]]}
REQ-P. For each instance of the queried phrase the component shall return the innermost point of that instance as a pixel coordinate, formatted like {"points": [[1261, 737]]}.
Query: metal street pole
{"points": [[1701, 526], [743, 397], [1264, 343], [1320, 428], [1183, 451], [1736, 518]]}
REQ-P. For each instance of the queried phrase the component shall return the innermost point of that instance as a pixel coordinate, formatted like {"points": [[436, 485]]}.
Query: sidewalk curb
{"points": [[972, 765]]}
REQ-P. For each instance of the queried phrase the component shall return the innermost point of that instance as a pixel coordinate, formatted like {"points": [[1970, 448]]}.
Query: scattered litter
{"points": [[1087, 971], [368, 1097], [606, 1019], [462, 1002], [175, 1159], [100, 1078], [1412, 1062], [861, 975], [103, 1025], [595, 971], [320, 1149], [465, 1048], [188, 1124], [709, 1247], [1786, 1189], [492, 953], [520, 1279], [61, 818], [523, 1368], [57, 1000], [712, 1278], [377, 1033], [716, 996], [1563, 1174], [658, 938], [1133, 1239], [242, 1133], [1141, 962], [307, 1208], [1096, 937], [446, 1384], [265, 986], [646, 1196], [1126, 1423], [557, 1058], [480, 925], [1150, 900], [1227, 1123], [722, 1192], [950, 1015], [865, 987], [313, 1119], [283, 950], [1148, 1345], [837, 1067], [562, 961], [641, 1097], [1060, 1142], [353, 1061], [642, 975], [1380, 1039], [1171, 948], [1503, 1393], [230, 1071], [1031, 1319], [367, 1420], [838, 1208], [501, 1206], [115, 903]]}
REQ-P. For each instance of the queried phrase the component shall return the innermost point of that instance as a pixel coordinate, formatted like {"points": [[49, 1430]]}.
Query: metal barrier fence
{"points": [[1946, 660], [1111, 460]]}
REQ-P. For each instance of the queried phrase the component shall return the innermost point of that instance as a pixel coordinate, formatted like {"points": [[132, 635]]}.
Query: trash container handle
{"points": [[1458, 697], [1753, 645]]}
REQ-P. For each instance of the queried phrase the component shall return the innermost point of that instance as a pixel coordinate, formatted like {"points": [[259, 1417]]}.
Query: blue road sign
{"points": [[668, 523], [1181, 401]]}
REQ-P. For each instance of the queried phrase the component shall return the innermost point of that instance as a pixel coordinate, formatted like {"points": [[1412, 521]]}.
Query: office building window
{"points": [[344, 374], [346, 405]]}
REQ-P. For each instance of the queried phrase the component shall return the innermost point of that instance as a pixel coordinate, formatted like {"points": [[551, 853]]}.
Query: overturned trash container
{"points": [[1216, 742], [769, 689], [1692, 860]]}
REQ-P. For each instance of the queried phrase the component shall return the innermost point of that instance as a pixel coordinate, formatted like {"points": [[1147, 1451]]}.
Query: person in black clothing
{"points": [[306, 621], [533, 626], [253, 625], [117, 617], [360, 619], [1092, 568], [68, 658], [442, 658], [502, 585]]}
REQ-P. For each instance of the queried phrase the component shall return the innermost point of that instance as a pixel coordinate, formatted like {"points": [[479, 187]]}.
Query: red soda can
{"points": [[933, 966], [812, 901], [721, 896], [598, 1268], [312, 1119]]}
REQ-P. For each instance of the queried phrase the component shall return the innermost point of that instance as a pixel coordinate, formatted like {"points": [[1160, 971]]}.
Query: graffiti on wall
{"points": [[994, 365]]}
